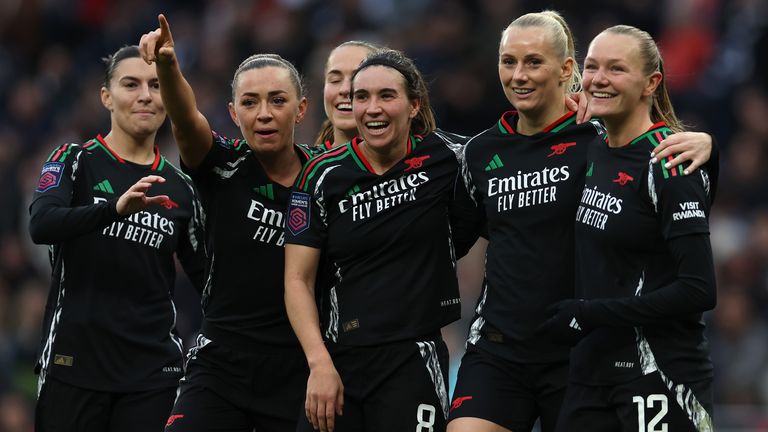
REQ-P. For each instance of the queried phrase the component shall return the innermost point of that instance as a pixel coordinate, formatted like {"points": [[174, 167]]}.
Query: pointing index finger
{"points": [[165, 28]]}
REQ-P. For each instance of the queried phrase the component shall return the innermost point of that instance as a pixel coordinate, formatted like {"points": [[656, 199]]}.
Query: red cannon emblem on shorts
{"points": [[173, 418], [458, 401]]}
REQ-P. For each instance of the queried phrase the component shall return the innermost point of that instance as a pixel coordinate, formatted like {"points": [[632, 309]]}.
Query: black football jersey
{"points": [[110, 317], [528, 188], [387, 238], [629, 212], [243, 299]]}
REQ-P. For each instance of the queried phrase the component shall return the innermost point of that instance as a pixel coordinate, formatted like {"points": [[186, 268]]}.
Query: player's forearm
{"points": [[302, 313], [190, 127], [52, 223], [178, 96], [693, 291]]}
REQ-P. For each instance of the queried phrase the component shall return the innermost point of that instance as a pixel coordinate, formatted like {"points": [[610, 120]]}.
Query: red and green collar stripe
{"points": [[362, 162], [99, 142], [504, 126], [236, 144], [310, 169], [351, 148], [358, 156], [303, 151], [157, 164], [159, 161], [655, 136], [567, 119]]}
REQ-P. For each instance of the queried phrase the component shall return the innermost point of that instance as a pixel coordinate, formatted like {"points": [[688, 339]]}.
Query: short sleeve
{"points": [[221, 162], [306, 220], [57, 175], [682, 202]]}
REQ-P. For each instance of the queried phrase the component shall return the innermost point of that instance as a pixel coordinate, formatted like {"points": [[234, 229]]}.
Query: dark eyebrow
{"points": [[272, 93], [136, 79], [378, 91]]}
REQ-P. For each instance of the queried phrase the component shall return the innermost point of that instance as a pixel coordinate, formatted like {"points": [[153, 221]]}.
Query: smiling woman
{"points": [[536, 67], [644, 262], [384, 111], [527, 172], [379, 208], [340, 126]]}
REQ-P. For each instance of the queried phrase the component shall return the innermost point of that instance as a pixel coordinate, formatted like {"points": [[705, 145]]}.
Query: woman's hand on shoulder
{"points": [[695, 147]]}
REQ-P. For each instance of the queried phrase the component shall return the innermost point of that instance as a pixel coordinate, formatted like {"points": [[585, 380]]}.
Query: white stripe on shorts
{"points": [[428, 352]]}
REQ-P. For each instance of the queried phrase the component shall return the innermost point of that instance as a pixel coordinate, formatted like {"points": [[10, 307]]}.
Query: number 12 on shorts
{"points": [[651, 403], [425, 416]]}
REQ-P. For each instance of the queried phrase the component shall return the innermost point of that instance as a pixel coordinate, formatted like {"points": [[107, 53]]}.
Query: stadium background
{"points": [[716, 54]]}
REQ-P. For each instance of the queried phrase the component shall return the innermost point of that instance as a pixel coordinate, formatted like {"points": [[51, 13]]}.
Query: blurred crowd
{"points": [[716, 55]]}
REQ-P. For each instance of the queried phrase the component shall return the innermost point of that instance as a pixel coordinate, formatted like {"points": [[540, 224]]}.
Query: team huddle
{"points": [[327, 271]]}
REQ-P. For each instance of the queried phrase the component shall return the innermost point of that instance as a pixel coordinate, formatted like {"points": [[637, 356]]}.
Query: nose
{"points": [[518, 74], [344, 89], [373, 106], [264, 114], [599, 77], [145, 95]]}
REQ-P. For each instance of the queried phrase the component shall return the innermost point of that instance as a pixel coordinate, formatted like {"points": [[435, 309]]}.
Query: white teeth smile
{"points": [[376, 124], [345, 106], [602, 95], [522, 91]]}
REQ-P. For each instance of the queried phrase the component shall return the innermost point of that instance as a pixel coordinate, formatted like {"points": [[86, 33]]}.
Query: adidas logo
{"points": [[104, 186], [265, 191], [574, 324], [495, 163], [353, 190]]}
